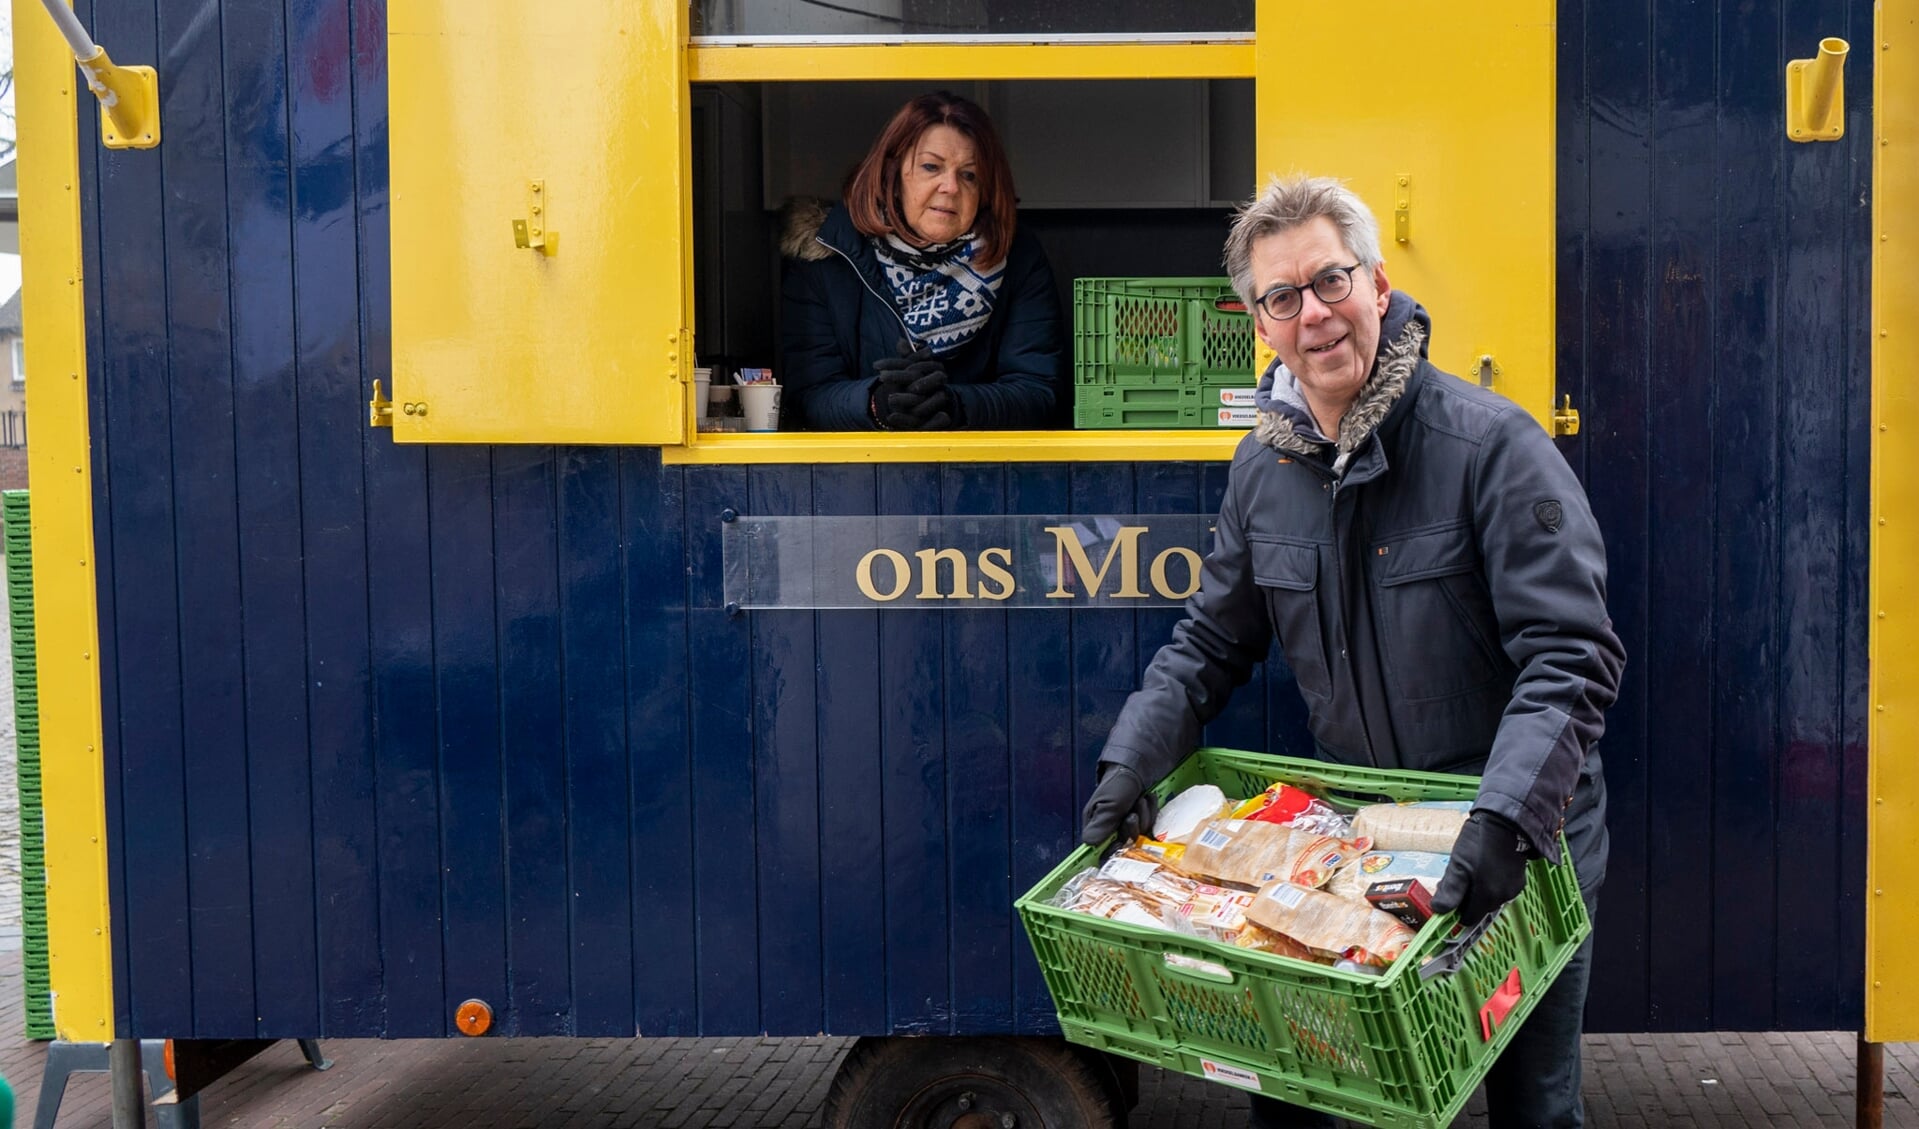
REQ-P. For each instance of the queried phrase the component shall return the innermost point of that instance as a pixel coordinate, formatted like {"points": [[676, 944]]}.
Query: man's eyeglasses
{"points": [[1283, 303]]}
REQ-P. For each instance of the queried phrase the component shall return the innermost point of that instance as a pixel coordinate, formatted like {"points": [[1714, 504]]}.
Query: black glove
{"points": [[920, 403], [1119, 802], [1488, 868]]}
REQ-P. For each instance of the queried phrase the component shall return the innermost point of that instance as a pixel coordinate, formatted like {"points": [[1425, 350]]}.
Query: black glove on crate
{"points": [[1120, 802], [1488, 868]]}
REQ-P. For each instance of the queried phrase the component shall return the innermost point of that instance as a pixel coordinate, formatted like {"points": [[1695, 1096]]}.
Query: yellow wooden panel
{"points": [[953, 62], [72, 774], [1892, 829], [961, 447], [493, 342], [1459, 99]]}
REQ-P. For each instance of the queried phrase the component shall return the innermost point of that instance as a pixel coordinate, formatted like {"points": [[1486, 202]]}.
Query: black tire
{"points": [[941, 1082]]}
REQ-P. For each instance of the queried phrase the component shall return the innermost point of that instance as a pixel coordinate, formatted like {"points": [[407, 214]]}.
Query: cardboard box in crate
{"points": [[1390, 1050]]}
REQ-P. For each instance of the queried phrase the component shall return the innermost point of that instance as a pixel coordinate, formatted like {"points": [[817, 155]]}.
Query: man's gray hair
{"points": [[1288, 202]]}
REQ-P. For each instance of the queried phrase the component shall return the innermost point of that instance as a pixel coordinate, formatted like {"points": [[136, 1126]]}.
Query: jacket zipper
{"points": [[861, 275], [1339, 562]]}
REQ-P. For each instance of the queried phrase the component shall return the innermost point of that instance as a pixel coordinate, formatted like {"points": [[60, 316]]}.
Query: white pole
{"points": [[77, 38]]}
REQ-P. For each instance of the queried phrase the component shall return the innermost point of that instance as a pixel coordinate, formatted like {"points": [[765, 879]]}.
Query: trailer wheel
{"points": [[937, 1082]]}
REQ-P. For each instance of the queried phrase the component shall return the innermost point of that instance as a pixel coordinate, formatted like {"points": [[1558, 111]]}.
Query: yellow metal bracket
{"points": [[1403, 209], [1816, 94], [1565, 419], [532, 232], [379, 410], [129, 102], [1488, 370]]}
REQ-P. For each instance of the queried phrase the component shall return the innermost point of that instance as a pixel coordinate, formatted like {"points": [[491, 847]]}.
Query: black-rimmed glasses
{"points": [[1283, 303]]}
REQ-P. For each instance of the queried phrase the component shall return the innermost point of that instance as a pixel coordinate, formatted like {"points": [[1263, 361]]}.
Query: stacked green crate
{"points": [[16, 537], [1161, 352]]}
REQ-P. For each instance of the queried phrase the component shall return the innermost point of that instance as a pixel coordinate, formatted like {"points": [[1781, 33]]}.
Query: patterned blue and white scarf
{"points": [[943, 298]]}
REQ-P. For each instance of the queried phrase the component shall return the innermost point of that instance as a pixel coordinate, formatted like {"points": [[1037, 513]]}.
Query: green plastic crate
{"points": [[1157, 331], [1391, 1050], [1227, 405]]}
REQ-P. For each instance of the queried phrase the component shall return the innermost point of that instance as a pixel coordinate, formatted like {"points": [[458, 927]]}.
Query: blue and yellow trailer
{"points": [[385, 645]]}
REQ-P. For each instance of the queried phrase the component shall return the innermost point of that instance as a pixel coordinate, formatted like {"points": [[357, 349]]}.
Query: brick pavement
{"points": [[1712, 1081]]}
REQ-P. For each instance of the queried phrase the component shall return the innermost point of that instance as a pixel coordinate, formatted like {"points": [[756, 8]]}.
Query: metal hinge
{"points": [[379, 410], [1565, 419], [532, 233]]}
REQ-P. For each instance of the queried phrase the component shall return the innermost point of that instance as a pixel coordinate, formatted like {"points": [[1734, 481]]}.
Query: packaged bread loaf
{"points": [[1252, 852], [1331, 926], [1428, 826], [1357, 874]]}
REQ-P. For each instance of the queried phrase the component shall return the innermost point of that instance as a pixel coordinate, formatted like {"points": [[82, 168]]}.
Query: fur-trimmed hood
{"points": [[801, 218], [1283, 414]]}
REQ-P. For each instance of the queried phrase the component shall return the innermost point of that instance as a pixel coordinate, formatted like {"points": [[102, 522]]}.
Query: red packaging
{"points": [[1405, 898]]}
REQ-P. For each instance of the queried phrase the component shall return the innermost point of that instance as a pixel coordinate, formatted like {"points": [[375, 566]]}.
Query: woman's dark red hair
{"points": [[873, 191]]}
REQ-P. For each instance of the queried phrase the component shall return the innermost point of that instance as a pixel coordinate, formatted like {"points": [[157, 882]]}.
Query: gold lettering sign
{"points": [[960, 561]]}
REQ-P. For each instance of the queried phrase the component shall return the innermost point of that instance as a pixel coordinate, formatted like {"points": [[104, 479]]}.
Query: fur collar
{"points": [[1395, 367], [800, 220]]}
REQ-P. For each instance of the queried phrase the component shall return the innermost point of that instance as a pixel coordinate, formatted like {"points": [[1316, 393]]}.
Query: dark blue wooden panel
{"points": [[268, 480], [599, 828], [1612, 363], [526, 576], [721, 847], [1682, 503], [1823, 412], [466, 700], [206, 533], [664, 926], [137, 492], [853, 935], [1106, 662], [1745, 418], [786, 799], [981, 751], [340, 272], [1045, 797], [911, 702]]}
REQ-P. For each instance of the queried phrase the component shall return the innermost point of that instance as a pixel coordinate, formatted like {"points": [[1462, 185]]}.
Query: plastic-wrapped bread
{"points": [[1330, 925], [1357, 874], [1188, 810], [1413, 827], [1251, 853]]}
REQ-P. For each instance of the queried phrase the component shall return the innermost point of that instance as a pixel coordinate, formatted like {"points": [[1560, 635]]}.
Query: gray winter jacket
{"points": [[1442, 602]]}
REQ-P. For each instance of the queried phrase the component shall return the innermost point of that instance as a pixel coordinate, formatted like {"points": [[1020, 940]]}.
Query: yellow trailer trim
{"points": [[72, 772], [955, 61], [1892, 743], [960, 447]]}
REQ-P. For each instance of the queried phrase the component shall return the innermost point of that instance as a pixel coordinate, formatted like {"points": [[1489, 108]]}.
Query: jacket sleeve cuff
{"points": [[1540, 823]]}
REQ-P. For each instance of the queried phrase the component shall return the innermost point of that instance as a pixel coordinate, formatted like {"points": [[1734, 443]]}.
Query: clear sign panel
{"points": [[947, 561], [815, 19]]}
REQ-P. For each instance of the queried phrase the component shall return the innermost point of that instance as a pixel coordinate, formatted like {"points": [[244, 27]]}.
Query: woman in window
{"points": [[916, 304]]}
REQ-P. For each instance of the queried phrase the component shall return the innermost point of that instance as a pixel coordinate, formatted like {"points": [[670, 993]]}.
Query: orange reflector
{"points": [[473, 1018], [171, 1077]]}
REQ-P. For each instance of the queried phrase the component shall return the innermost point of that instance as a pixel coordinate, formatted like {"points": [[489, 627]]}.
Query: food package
{"points": [[1251, 852], [1279, 944], [1331, 926], [1188, 810], [1413, 827], [1358, 874], [1295, 807]]}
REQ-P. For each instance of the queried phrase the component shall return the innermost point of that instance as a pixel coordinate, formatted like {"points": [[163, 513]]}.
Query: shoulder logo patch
{"points": [[1549, 514]]}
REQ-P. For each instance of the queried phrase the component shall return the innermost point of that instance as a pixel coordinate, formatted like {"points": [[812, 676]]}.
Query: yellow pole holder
{"points": [[1816, 94], [129, 101]]}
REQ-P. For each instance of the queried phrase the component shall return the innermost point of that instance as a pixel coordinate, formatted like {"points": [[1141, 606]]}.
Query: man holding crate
{"points": [[1433, 574]]}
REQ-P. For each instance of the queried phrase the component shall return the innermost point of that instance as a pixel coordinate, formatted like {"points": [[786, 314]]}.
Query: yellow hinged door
{"points": [[540, 222], [1440, 115]]}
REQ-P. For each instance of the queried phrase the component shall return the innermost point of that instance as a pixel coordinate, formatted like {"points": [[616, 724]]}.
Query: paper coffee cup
{"points": [[760, 404], [702, 387]]}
